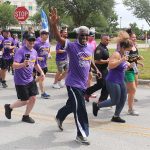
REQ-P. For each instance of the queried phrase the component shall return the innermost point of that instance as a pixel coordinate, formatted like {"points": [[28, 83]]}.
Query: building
{"points": [[29, 4]]}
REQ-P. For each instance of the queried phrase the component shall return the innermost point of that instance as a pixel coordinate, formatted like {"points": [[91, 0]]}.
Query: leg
{"points": [[131, 86], [114, 91], [122, 100], [80, 113], [30, 105]]}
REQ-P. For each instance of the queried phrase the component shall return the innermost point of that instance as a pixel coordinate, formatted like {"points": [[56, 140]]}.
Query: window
{"points": [[30, 7]]}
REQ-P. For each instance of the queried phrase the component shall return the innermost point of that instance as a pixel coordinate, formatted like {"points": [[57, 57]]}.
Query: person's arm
{"points": [[98, 73], [54, 18], [38, 68], [102, 61], [17, 65], [60, 51], [115, 60]]}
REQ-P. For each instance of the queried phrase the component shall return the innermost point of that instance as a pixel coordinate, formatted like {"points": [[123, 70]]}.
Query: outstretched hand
{"points": [[53, 17]]}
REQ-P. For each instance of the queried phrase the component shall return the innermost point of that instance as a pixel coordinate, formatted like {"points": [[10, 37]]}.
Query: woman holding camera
{"points": [[131, 75]]}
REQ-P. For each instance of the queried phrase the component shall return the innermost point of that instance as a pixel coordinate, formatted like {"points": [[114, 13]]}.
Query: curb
{"points": [[140, 81]]}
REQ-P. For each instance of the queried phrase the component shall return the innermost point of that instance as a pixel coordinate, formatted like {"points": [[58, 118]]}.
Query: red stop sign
{"points": [[21, 13]]}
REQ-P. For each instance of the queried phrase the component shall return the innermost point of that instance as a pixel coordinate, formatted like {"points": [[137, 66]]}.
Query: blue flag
{"points": [[44, 21]]}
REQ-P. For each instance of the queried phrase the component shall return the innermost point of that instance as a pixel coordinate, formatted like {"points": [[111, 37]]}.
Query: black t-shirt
{"points": [[101, 52]]}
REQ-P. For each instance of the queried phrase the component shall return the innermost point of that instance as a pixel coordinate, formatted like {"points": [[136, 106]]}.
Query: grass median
{"points": [[144, 72]]}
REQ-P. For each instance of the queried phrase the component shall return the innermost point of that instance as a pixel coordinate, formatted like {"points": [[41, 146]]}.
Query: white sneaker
{"points": [[132, 112], [56, 86], [60, 84]]}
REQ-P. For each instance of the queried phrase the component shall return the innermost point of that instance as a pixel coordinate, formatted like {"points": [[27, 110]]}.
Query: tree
{"points": [[141, 8], [112, 22], [6, 15], [80, 10], [136, 30], [36, 18]]}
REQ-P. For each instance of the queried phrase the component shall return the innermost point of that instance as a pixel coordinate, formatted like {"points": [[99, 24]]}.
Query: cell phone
{"points": [[27, 56]]}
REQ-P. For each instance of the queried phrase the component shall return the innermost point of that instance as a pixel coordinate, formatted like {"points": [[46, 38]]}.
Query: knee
{"points": [[132, 90], [32, 100]]}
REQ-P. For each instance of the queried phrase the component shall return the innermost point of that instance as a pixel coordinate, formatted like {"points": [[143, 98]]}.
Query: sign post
{"points": [[21, 14]]}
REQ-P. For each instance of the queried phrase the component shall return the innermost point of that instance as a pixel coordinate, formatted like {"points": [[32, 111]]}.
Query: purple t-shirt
{"points": [[1, 40], [24, 75], [41, 48], [117, 74], [60, 56], [80, 57], [7, 54]]}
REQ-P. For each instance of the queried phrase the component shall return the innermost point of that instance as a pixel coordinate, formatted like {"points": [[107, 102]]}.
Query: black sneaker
{"points": [[117, 119], [82, 140], [95, 109], [59, 124], [27, 119], [4, 85], [8, 111]]}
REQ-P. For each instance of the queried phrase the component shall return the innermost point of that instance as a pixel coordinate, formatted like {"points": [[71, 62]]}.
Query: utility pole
{"points": [[120, 22]]}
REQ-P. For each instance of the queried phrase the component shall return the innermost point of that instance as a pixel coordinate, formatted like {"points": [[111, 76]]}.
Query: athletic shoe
{"points": [[82, 140], [56, 86], [45, 96], [132, 112], [60, 84], [117, 119], [27, 119], [95, 109], [4, 85], [8, 111], [59, 124]]}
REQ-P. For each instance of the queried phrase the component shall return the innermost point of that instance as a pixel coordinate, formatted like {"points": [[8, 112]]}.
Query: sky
{"points": [[126, 17]]}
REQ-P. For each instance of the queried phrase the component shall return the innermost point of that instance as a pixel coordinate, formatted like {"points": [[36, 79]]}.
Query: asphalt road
{"points": [[44, 134]]}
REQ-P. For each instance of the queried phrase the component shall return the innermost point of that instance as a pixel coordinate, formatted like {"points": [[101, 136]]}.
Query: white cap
{"points": [[44, 31]]}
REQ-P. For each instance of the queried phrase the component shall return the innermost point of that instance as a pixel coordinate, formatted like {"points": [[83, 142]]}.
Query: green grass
{"points": [[144, 73]]}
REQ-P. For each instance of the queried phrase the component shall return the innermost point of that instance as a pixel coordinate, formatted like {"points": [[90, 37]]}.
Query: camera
{"points": [[27, 57]]}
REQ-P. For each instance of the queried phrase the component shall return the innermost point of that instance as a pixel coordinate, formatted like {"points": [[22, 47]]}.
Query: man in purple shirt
{"points": [[7, 54], [42, 46], [61, 61], [80, 56], [25, 60]]}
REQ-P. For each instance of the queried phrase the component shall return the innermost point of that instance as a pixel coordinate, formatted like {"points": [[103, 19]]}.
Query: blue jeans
{"points": [[118, 95]]}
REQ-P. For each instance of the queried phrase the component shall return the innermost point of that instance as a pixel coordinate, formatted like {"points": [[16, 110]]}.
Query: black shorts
{"points": [[24, 92], [5, 63], [45, 70]]}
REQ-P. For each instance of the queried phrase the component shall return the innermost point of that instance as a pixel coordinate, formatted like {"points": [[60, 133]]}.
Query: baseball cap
{"points": [[30, 37], [5, 30], [44, 31]]}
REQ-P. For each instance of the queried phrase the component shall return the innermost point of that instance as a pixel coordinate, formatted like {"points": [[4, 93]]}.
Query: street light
{"points": [[120, 22]]}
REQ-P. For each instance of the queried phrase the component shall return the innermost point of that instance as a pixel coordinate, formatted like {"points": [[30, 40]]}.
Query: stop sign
{"points": [[21, 13]]}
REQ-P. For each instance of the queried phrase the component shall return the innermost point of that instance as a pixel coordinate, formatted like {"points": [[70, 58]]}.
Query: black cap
{"points": [[30, 37], [6, 30]]}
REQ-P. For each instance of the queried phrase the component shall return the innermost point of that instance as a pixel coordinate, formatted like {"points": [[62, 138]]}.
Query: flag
{"points": [[44, 21]]}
